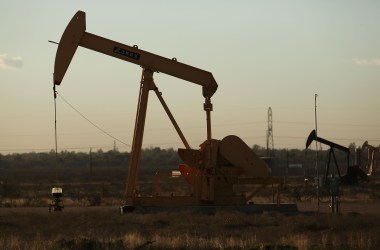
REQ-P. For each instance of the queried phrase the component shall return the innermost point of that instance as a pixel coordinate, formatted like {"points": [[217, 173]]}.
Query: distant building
{"points": [[295, 165], [296, 169]]}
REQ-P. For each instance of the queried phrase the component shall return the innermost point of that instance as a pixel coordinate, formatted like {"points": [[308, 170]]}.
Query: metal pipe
{"points": [[159, 95]]}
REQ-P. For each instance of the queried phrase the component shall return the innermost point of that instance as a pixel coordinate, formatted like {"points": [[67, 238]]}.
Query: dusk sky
{"points": [[262, 54]]}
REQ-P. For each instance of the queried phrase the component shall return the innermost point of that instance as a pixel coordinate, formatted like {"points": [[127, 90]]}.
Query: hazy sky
{"points": [[263, 54]]}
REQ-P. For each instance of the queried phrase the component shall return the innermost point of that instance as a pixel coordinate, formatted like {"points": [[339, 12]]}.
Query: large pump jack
{"points": [[215, 168]]}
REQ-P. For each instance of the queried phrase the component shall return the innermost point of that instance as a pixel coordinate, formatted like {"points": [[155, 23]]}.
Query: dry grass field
{"points": [[91, 219], [105, 228]]}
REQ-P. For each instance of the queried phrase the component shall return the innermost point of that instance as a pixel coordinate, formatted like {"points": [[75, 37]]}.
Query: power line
{"points": [[96, 126]]}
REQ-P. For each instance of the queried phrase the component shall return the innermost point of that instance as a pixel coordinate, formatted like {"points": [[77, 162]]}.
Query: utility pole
{"points": [[90, 161], [316, 147], [114, 146]]}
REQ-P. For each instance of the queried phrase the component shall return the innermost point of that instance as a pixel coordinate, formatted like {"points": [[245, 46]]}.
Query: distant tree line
{"points": [[99, 158], [279, 160]]}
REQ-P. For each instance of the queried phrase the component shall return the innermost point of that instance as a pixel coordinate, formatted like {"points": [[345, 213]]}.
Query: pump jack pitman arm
{"points": [[75, 35]]}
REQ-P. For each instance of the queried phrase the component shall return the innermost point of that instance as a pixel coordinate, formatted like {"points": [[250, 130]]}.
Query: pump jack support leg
{"points": [[336, 164], [146, 85], [163, 103], [328, 163]]}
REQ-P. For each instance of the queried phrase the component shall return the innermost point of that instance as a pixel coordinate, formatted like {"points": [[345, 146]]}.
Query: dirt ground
{"points": [[345, 207]]}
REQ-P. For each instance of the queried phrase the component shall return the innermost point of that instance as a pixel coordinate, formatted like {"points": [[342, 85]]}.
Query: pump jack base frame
{"points": [[235, 202], [249, 208]]}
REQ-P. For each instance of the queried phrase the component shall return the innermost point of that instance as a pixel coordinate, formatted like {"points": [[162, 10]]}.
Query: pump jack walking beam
{"points": [[75, 35]]}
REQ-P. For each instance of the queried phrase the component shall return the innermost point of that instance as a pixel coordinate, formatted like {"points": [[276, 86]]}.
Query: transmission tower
{"points": [[270, 145]]}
